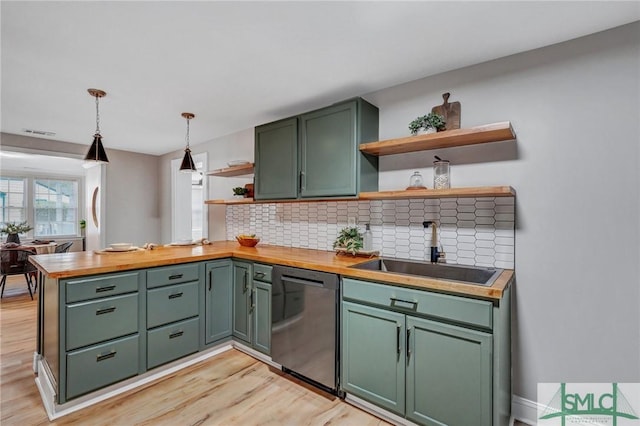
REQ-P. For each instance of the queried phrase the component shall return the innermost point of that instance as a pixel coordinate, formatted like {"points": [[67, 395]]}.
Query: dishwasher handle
{"points": [[301, 281]]}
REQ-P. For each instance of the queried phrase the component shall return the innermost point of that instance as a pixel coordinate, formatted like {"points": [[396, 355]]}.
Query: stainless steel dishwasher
{"points": [[304, 318]]}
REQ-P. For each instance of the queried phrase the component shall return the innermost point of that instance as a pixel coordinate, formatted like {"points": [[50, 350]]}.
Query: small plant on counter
{"points": [[350, 239], [426, 122], [240, 190]]}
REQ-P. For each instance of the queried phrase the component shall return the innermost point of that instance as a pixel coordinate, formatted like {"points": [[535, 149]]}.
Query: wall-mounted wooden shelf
{"points": [[481, 191], [450, 138], [243, 169]]}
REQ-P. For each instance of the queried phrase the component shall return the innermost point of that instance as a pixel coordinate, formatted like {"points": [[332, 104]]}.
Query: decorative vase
{"points": [[428, 131], [13, 238]]}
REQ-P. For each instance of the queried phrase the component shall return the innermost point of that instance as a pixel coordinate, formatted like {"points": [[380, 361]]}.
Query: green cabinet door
{"points": [[276, 160], [262, 316], [218, 300], [373, 355], [328, 149], [449, 374], [241, 301]]}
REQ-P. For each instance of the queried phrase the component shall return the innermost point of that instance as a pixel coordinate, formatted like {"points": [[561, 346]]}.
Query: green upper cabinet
{"points": [[276, 158], [218, 300], [316, 155]]}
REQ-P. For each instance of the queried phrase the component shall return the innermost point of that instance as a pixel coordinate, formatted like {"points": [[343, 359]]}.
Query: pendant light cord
{"points": [[187, 137], [97, 116]]}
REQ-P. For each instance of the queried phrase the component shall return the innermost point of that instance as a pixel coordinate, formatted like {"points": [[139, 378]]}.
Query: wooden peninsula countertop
{"points": [[66, 265]]}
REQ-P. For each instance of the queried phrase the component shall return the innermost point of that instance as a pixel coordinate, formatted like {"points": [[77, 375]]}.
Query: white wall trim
{"points": [[524, 410]]}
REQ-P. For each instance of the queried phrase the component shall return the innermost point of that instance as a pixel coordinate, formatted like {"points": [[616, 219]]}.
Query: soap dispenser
{"points": [[367, 238]]}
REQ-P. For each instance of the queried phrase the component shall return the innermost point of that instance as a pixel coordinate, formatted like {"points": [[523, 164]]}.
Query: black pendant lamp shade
{"points": [[96, 151], [187, 165]]}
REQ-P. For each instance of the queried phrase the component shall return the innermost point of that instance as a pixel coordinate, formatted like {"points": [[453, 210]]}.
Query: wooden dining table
{"points": [[38, 248]]}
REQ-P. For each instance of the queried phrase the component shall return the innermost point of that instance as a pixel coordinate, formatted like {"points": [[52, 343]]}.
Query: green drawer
{"points": [[172, 303], [452, 308], [99, 320], [172, 341], [172, 275], [98, 366], [262, 272], [100, 286]]}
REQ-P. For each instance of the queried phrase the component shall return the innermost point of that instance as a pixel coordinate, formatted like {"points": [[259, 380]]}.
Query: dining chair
{"points": [[64, 247], [16, 262]]}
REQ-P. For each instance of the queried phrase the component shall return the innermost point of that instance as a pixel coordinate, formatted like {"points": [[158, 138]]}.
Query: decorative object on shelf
{"points": [[441, 178], [96, 151], [235, 163], [249, 190], [187, 165], [449, 111], [430, 123], [416, 181], [13, 229], [350, 240], [240, 191], [247, 240]]}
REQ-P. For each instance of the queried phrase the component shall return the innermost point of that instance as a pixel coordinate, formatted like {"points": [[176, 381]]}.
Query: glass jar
{"points": [[441, 178], [416, 181]]}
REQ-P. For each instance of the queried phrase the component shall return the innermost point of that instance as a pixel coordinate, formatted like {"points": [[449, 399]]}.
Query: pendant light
{"points": [[96, 152], [187, 165]]}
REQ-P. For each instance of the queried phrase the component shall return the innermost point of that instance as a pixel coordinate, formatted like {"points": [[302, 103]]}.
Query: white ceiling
{"points": [[240, 64]]}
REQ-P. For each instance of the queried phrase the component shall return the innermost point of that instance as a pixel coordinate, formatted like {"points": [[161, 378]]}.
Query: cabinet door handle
{"points": [[175, 295], [105, 310], [176, 334], [399, 347], [106, 288], [106, 356], [253, 303], [175, 276], [245, 286], [210, 278], [408, 343], [302, 181]]}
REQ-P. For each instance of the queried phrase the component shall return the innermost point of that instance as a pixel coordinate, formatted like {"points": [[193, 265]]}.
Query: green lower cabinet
{"points": [[373, 355], [449, 374], [218, 300], [262, 317], [432, 373], [242, 301]]}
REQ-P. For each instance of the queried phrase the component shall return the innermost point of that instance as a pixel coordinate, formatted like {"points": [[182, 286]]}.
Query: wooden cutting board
{"points": [[450, 111]]}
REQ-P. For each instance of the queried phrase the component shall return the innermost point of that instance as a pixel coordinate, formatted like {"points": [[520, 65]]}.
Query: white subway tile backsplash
{"points": [[471, 231]]}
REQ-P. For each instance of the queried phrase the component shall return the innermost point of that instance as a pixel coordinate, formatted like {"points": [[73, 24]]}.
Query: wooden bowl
{"points": [[248, 242]]}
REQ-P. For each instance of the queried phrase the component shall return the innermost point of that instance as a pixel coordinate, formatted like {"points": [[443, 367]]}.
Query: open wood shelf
{"points": [[243, 169], [481, 191], [449, 138]]}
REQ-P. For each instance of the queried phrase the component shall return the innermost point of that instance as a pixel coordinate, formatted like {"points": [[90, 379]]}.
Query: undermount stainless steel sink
{"points": [[467, 274]]}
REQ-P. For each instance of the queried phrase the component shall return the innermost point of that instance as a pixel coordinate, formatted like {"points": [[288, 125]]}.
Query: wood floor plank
{"points": [[229, 389]]}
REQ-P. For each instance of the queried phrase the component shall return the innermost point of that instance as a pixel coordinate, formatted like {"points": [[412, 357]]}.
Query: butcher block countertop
{"points": [[66, 265]]}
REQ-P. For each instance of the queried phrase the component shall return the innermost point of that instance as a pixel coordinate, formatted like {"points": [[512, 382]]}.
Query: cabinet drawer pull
{"points": [[106, 288], [399, 347], [106, 356], [175, 296], [175, 276], [176, 334], [259, 275], [396, 303], [105, 310]]}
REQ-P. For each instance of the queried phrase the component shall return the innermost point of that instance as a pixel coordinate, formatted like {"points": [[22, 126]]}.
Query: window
{"points": [[12, 199], [55, 207], [49, 204]]}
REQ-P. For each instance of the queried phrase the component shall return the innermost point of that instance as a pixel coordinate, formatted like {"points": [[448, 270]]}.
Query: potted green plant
{"points": [[349, 239], [240, 191], [13, 229], [429, 123]]}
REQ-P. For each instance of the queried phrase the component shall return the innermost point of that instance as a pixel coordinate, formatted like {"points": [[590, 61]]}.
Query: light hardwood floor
{"points": [[229, 389]]}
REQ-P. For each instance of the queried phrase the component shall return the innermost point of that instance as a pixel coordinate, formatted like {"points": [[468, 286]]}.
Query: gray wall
{"points": [[575, 108], [132, 202]]}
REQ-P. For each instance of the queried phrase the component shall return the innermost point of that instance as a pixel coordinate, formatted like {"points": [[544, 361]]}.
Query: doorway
{"points": [[189, 220]]}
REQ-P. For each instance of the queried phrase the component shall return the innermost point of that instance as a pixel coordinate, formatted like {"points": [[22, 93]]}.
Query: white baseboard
{"points": [[524, 410]]}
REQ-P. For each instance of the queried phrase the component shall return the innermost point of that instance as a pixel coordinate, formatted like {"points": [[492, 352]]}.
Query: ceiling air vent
{"points": [[38, 132]]}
